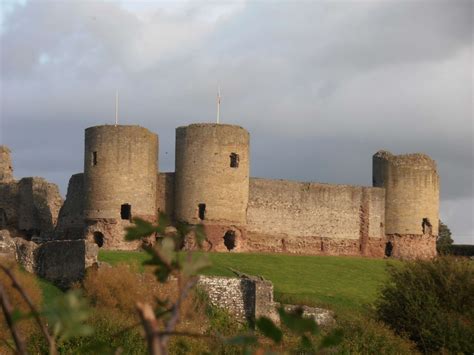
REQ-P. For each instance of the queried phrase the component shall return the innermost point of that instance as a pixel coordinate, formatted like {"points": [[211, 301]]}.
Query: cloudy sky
{"points": [[321, 86]]}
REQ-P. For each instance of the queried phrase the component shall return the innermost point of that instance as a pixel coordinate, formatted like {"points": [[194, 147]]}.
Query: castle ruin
{"points": [[212, 186]]}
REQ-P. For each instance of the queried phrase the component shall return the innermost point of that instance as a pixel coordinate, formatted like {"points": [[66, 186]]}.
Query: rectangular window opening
{"points": [[126, 211], [94, 158], [202, 211], [234, 160]]}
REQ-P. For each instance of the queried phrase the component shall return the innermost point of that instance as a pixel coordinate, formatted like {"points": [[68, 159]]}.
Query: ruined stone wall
{"points": [[412, 191], [244, 298], [9, 205], [314, 218], [39, 203], [120, 168], [61, 262], [165, 194], [6, 167], [204, 175], [71, 216]]}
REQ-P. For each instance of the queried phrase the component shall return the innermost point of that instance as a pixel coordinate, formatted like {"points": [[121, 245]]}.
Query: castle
{"points": [[212, 186]]}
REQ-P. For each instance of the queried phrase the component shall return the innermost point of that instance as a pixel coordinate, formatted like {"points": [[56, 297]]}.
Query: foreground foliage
{"points": [[433, 303]]}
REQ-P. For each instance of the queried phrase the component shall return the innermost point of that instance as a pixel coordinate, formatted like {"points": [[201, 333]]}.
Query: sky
{"points": [[320, 86]]}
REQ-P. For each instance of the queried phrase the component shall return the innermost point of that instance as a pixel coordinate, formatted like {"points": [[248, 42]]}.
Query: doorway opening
{"points": [[229, 240], [99, 239]]}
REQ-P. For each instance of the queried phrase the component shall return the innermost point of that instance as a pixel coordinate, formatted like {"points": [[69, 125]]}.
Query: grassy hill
{"points": [[341, 283]]}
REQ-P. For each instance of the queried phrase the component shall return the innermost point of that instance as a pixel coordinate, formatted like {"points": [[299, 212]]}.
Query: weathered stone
{"points": [[322, 317], [7, 244], [65, 262]]}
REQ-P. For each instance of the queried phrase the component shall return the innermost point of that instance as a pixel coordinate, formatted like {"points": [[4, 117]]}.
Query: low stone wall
{"points": [[249, 297], [61, 262], [244, 298]]}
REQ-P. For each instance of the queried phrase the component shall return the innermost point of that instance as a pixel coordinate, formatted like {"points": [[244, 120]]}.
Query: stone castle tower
{"points": [[212, 179], [411, 185], [120, 169]]}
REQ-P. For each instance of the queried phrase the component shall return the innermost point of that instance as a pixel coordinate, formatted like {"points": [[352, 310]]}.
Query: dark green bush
{"points": [[366, 336], [462, 250], [432, 302]]}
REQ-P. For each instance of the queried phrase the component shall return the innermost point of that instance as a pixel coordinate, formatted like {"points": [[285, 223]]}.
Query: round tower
{"points": [[120, 175], [212, 181], [411, 185]]}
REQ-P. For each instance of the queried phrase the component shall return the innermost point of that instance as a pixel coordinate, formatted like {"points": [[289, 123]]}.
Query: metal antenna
{"points": [[116, 107], [218, 103]]}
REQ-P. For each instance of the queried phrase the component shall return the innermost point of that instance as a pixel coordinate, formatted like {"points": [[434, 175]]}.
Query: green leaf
{"points": [[269, 329], [141, 229], [67, 316], [295, 321], [195, 265], [200, 235]]}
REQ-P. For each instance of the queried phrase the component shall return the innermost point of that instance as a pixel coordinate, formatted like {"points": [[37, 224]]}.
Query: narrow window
{"points": [[426, 226], [229, 240], [126, 211], [388, 249], [234, 160], [202, 211], [99, 239], [94, 158]]}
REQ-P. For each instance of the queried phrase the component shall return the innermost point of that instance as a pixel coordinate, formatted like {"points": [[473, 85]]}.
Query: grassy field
{"points": [[341, 283]]}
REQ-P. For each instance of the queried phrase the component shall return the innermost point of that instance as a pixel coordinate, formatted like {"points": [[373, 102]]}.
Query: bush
{"points": [[112, 331], [367, 336], [462, 250], [120, 288], [432, 302], [28, 281]]}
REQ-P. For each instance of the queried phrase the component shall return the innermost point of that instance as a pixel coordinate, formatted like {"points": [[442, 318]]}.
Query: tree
{"points": [[444, 241]]}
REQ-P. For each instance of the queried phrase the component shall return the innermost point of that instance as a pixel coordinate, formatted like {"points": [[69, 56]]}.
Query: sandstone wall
{"points": [[204, 174], [71, 216], [412, 191], [314, 218], [165, 194]]}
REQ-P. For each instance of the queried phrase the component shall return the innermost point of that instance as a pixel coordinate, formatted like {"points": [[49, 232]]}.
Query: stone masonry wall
{"points": [[71, 216], [61, 262], [314, 218], [244, 298], [165, 194], [39, 203]]}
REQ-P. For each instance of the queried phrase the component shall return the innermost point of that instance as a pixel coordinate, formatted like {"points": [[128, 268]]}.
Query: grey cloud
{"points": [[320, 86]]}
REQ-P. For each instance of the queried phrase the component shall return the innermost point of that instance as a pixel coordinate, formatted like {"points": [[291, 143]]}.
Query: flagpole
{"points": [[116, 107], [218, 104]]}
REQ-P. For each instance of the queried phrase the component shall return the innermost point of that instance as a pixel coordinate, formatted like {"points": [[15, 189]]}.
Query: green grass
{"points": [[341, 283]]}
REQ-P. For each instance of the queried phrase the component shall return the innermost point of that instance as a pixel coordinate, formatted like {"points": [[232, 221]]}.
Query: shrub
{"points": [[28, 281], [432, 302], [112, 331], [120, 288], [367, 336]]}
